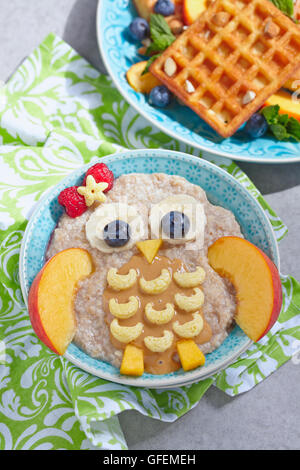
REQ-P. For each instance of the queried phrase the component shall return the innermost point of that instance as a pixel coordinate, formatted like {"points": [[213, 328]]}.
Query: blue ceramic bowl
{"points": [[119, 52], [221, 189]]}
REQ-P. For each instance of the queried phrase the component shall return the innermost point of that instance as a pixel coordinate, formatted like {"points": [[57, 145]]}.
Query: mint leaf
{"points": [[283, 119], [293, 128], [279, 131], [271, 113], [159, 26], [286, 6], [160, 32], [152, 48], [152, 59], [282, 126], [161, 36]]}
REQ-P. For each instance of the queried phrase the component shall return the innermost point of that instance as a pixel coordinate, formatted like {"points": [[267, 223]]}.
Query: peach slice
{"points": [[144, 7], [255, 279], [286, 103], [137, 81], [192, 9], [51, 297]]}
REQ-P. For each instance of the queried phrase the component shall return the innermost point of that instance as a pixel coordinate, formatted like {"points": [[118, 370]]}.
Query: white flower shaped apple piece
{"points": [[92, 191]]}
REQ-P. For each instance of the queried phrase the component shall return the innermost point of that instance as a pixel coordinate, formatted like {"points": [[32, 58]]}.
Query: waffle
{"points": [[225, 72], [293, 82]]}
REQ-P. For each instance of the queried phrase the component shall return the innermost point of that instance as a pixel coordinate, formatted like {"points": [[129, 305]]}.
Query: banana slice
{"points": [[190, 303], [189, 329], [190, 207], [126, 310], [121, 281], [125, 334], [107, 213], [159, 317], [192, 279], [157, 285], [161, 343]]}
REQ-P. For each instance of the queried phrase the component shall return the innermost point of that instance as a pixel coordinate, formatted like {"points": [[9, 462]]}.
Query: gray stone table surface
{"points": [[268, 416]]}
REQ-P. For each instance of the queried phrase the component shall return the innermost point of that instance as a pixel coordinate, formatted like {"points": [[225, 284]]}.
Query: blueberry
{"points": [[160, 96], [139, 29], [164, 7], [175, 224], [116, 233], [257, 126]]}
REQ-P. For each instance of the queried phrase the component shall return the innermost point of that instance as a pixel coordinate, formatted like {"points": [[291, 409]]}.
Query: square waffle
{"points": [[227, 63]]}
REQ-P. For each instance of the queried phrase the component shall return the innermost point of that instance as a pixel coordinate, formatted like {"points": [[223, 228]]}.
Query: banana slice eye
{"points": [[159, 317], [178, 219], [125, 334], [190, 303], [161, 343], [126, 310], [121, 281], [157, 285], [189, 329], [192, 279], [115, 227]]}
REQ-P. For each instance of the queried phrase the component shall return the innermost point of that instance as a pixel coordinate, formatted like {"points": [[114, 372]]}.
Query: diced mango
{"points": [[286, 103], [133, 361], [189, 354], [149, 248], [137, 81]]}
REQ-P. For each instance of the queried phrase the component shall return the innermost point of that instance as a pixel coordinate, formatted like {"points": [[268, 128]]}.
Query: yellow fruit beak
{"points": [[149, 248]]}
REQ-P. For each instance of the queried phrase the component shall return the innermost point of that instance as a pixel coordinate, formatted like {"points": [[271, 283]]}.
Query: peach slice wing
{"points": [[256, 281], [51, 297]]}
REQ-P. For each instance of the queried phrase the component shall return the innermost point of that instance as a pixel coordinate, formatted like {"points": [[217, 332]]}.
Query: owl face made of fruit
{"points": [[145, 273], [152, 303]]}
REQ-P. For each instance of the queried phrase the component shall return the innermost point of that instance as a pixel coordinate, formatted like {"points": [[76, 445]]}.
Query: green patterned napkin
{"points": [[57, 113]]}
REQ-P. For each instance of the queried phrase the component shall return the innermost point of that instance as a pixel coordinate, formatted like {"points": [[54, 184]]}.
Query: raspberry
{"points": [[101, 174], [73, 202]]}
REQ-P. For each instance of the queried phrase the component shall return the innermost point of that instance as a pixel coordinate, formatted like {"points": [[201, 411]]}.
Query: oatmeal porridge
{"points": [[145, 191]]}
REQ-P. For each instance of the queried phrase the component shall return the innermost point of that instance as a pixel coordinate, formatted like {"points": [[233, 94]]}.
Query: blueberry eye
{"points": [[116, 233], [175, 224]]}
